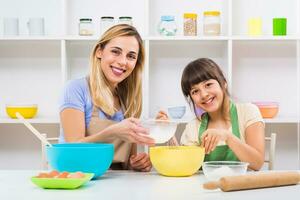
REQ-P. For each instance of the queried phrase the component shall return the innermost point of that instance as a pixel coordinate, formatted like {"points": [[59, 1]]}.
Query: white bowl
{"points": [[214, 170], [161, 131]]}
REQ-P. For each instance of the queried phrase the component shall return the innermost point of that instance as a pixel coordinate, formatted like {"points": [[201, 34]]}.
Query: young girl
{"points": [[228, 131], [105, 106]]}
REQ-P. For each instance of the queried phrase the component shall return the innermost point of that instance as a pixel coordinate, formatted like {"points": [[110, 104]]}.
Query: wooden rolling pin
{"points": [[252, 181]]}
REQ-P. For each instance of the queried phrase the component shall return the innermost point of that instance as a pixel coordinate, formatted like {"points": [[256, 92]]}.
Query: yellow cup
{"points": [[255, 26]]}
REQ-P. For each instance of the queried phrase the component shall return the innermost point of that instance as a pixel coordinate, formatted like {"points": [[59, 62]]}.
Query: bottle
{"points": [[167, 26], [125, 20], [105, 23], [190, 24], [86, 26], [211, 23]]}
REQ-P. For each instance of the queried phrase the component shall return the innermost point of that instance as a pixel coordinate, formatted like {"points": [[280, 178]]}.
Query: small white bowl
{"points": [[177, 112], [214, 170]]}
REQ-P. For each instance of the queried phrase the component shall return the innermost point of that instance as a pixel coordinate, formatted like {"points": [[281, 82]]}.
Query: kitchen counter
{"points": [[16, 184]]}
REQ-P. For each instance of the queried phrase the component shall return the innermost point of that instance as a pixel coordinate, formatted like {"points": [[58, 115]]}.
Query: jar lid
{"points": [[85, 19], [167, 18], [107, 17], [190, 15], [212, 13], [125, 17]]}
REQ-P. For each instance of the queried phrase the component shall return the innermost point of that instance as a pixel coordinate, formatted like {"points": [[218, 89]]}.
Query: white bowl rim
{"points": [[20, 105], [227, 163]]}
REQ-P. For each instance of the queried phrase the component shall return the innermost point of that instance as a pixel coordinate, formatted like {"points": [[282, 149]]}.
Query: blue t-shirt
{"points": [[76, 95]]}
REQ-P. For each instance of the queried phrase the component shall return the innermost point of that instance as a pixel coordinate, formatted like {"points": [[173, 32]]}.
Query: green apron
{"points": [[221, 152]]}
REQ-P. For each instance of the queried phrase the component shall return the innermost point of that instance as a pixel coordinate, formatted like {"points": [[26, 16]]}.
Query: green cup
{"points": [[279, 26]]}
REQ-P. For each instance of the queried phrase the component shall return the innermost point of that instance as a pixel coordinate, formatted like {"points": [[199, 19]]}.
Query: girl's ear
{"points": [[99, 53]]}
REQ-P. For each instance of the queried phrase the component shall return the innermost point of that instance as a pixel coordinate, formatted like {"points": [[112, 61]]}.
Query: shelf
{"points": [[178, 38], [30, 38], [42, 120], [265, 37], [278, 120]]}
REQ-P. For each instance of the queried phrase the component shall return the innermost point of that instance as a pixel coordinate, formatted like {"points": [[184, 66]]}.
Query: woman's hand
{"points": [[140, 162], [161, 115], [130, 130], [211, 137]]}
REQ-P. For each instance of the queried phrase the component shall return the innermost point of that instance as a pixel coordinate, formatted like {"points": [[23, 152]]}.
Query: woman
{"points": [[106, 105]]}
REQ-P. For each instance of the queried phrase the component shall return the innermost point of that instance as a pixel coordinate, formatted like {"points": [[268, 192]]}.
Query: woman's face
{"points": [[208, 95], [118, 58]]}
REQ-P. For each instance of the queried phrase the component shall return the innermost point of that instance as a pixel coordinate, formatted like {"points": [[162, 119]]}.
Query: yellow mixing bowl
{"points": [[177, 160], [27, 111]]}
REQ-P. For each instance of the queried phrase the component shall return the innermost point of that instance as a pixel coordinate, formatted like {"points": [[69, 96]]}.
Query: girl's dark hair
{"points": [[200, 70]]}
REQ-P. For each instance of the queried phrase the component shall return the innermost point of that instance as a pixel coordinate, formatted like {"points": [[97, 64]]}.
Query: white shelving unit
{"points": [[33, 69]]}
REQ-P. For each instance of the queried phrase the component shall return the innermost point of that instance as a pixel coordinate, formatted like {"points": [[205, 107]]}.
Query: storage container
{"points": [[190, 24], [167, 25], [211, 23], [86, 26]]}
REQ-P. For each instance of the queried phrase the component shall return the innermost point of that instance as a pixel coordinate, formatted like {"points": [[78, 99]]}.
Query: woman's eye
{"points": [[116, 52], [131, 57]]}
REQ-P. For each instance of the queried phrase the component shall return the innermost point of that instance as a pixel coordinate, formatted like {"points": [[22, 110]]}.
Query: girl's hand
{"points": [[211, 137], [161, 115], [130, 130], [173, 142], [140, 162]]}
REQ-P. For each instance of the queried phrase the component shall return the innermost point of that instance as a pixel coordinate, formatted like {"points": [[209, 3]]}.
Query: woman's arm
{"points": [[73, 124], [253, 151]]}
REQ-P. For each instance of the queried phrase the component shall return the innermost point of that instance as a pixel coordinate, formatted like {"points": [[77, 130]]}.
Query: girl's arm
{"points": [[253, 151]]}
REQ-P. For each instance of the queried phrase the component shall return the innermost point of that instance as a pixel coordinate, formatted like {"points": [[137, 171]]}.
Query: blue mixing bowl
{"points": [[85, 157]]}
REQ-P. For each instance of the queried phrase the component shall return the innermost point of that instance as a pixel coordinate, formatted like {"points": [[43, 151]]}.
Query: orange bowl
{"points": [[268, 111]]}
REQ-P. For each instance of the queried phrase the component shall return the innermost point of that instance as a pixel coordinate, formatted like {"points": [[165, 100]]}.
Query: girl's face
{"points": [[118, 58], [208, 95]]}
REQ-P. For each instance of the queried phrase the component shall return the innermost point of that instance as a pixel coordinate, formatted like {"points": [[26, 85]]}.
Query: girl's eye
{"points": [[208, 84], [194, 92]]}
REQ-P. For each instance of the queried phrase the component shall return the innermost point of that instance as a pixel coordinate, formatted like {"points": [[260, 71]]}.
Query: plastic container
{"points": [[177, 160], [85, 157], [177, 112], [190, 24], [27, 111], [255, 26], [279, 26], [167, 26], [214, 170], [211, 23], [86, 26], [267, 109], [105, 23], [125, 20]]}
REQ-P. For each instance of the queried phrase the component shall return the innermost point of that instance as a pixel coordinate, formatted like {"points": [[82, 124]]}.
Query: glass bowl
{"points": [[214, 170]]}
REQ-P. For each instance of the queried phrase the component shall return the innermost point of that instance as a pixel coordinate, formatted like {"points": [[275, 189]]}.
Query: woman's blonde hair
{"points": [[130, 89]]}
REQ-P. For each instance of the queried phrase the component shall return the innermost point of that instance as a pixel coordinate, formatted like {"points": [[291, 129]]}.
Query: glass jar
{"points": [[190, 24], [105, 23], [211, 23], [125, 20], [167, 26], [86, 26]]}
